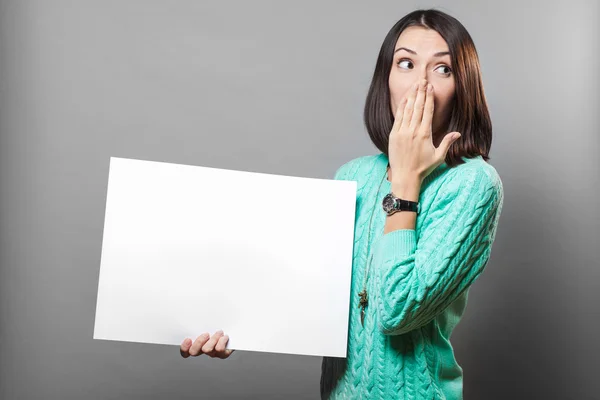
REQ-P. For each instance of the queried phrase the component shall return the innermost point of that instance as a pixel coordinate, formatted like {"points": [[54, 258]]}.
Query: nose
{"points": [[422, 77], [422, 80]]}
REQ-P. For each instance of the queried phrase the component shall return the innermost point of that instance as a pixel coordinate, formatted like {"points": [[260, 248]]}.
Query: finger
{"points": [[399, 114], [210, 345], [417, 114], [426, 123], [223, 355], [222, 343], [184, 349], [408, 109], [196, 348], [444, 146]]}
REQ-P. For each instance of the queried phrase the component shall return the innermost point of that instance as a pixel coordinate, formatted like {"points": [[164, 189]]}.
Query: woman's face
{"points": [[416, 57]]}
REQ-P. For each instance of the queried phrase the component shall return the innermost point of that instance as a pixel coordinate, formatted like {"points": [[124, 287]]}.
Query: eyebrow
{"points": [[438, 54]]}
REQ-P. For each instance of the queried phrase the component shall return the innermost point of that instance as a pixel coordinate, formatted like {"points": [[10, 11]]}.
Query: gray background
{"points": [[279, 87]]}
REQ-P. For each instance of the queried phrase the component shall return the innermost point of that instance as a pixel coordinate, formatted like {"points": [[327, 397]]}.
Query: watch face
{"points": [[388, 203]]}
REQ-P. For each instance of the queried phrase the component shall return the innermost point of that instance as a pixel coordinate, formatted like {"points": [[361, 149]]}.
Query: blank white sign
{"points": [[189, 249]]}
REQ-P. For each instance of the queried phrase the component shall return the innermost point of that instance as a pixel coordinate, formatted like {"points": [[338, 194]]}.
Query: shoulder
{"points": [[353, 168], [475, 178]]}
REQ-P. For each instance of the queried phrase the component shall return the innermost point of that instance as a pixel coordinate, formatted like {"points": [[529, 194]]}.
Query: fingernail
{"points": [[219, 332], [429, 88]]}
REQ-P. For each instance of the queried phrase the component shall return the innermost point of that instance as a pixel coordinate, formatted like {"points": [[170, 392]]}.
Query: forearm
{"points": [[406, 188], [416, 277]]}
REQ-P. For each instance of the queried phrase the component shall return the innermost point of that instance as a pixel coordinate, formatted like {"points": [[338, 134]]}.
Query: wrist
{"points": [[406, 188]]}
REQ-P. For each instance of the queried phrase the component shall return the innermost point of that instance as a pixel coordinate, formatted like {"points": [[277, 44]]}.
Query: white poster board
{"points": [[189, 249]]}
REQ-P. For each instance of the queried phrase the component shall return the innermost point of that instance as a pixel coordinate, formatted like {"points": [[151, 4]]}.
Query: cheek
{"points": [[443, 98], [443, 107], [399, 88], [397, 93], [445, 104]]}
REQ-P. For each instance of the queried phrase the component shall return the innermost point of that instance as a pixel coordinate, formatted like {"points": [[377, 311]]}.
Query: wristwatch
{"points": [[392, 204]]}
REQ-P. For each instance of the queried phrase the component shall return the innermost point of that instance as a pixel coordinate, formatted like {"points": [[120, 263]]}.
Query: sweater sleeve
{"points": [[349, 170], [416, 279], [343, 172]]}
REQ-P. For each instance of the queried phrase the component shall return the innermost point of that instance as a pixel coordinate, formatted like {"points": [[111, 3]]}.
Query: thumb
{"points": [[448, 140]]}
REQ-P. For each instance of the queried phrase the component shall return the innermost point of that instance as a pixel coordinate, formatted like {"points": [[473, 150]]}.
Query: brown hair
{"points": [[469, 116]]}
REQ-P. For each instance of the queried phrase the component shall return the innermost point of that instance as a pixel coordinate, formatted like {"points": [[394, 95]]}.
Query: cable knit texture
{"points": [[418, 282]]}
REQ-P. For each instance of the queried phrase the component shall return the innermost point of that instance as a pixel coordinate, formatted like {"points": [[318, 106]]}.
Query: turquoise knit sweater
{"points": [[418, 282]]}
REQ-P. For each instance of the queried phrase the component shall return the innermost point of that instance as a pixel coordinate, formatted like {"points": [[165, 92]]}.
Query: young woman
{"points": [[427, 213]]}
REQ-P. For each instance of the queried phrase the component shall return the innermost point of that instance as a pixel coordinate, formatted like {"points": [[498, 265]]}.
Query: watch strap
{"points": [[401, 205], [406, 205]]}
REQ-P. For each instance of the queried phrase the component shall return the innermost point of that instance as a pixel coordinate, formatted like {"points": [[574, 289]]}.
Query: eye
{"points": [[447, 67], [407, 62], [400, 61]]}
